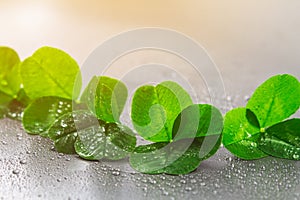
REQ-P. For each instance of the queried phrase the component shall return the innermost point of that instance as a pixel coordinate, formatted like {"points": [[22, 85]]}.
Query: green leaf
{"points": [[106, 97], [252, 119], [42, 112], [90, 138], [155, 108], [275, 100], [282, 140], [64, 130], [111, 141], [196, 121], [5, 99], [288, 131], [51, 72], [180, 157], [278, 148], [240, 136], [10, 80], [89, 94], [209, 145]]}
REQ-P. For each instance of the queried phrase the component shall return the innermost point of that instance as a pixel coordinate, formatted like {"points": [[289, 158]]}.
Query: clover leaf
{"points": [[196, 136], [90, 138], [50, 72], [64, 130], [155, 108], [43, 92], [247, 130], [240, 135], [282, 140], [179, 157], [10, 79], [42, 112], [198, 120], [275, 100], [106, 97], [112, 141]]}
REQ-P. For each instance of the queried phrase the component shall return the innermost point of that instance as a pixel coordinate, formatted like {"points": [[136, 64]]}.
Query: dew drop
{"points": [[68, 159], [23, 162], [296, 156], [116, 173], [246, 98], [193, 181], [165, 193], [63, 124], [203, 184], [253, 144]]}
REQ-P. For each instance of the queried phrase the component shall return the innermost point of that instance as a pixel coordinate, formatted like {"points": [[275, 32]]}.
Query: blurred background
{"points": [[248, 40]]}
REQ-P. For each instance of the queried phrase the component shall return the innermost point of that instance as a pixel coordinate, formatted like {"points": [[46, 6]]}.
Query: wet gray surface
{"points": [[31, 169]]}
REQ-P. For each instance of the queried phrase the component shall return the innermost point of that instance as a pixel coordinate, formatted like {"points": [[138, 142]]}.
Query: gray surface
{"points": [[31, 169]]}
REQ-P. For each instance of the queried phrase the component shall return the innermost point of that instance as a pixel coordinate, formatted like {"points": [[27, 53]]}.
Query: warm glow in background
{"points": [[244, 37]]}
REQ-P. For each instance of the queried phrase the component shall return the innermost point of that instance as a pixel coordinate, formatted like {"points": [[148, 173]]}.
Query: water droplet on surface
{"points": [[193, 181], [63, 124], [68, 159], [246, 98], [253, 144], [16, 171], [228, 98], [115, 173], [165, 193], [23, 162]]}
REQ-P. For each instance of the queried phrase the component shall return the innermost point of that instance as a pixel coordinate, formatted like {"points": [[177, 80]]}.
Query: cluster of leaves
{"points": [[258, 130], [48, 85], [44, 92]]}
